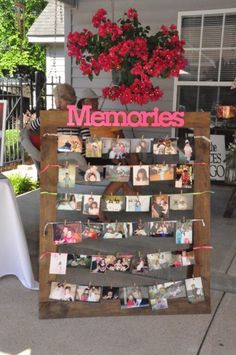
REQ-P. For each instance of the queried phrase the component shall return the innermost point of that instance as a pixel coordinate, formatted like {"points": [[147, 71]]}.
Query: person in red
{"points": [[130, 301]]}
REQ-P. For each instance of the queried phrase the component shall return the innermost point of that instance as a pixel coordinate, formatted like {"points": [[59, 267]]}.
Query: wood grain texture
{"points": [[50, 121]]}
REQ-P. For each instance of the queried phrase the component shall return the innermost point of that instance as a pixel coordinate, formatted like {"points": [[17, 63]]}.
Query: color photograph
{"points": [[162, 229], [181, 202], [134, 297], [141, 229], [139, 265], [156, 300], [117, 230], [137, 203], [62, 291], [158, 261], [113, 203], [140, 145], [69, 202], [184, 232], [140, 175], [93, 148], [194, 288], [91, 175], [91, 205], [160, 206], [184, 176], [79, 261], [69, 143], [116, 148], [161, 172], [165, 146], [118, 173], [66, 177], [58, 263], [88, 293], [68, 233], [92, 231]]}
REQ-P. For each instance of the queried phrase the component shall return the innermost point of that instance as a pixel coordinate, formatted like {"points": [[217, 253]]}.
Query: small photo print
{"points": [[113, 203], [139, 265], [116, 148], [110, 293], [140, 145], [102, 263], [194, 290], [156, 300], [93, 148], [184, 232], [158, 261], [162, 229], [91, 205], [187, 149], [62, 291], [181, 202], [92, 231], [116, 230], [66, 177], [165, 146], [123, 263], [118, 173], [161, 172], [188, 258], [92, 174], [69, 143], [79, 261], [88, 293], [174, 289], [134, 297], [184, 176], [69, 233], [137, 203], [69, 202], [160, 206], [58, 263], [141, 229], [140, 175]]}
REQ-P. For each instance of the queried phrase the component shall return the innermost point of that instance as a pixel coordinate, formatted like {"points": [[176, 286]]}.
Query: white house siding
{"points": [[151, 12], [55, 67]]}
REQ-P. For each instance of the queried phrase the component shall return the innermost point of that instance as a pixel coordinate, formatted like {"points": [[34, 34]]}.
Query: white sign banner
{"points": [[217, 157]]}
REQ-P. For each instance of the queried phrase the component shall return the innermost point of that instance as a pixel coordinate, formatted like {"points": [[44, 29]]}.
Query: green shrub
{"points": [[22, 184], [12, 147]]}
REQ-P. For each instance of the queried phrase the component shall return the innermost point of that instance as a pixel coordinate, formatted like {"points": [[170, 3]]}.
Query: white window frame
{"points": [[198, 82]]}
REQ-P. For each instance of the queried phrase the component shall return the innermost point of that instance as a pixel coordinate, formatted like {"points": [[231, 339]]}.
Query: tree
{"points": [[16, 17]]}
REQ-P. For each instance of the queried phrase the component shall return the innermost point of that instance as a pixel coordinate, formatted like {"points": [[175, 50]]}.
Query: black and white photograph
{"points": [[62, 291], [69, 202], [139, 264], [184, 232], [113, 203], [165, 146], [161, 172], [141, 145], [66, 176], [194, 288], [140, 175], [160, 206], [79, 261], [92, 231], [93, 147], [137, 203], [184, 176], [91, 205], [88, 293], [162, 229], [69, 143], [158, 261], [119, 173], [156, 300], [181, 202], [68, 233], [58, 262], [116, 148], [110, 293], [134, 297]]}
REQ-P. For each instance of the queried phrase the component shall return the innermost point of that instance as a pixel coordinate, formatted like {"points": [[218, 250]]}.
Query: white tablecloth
{"points": [[14, 254]]}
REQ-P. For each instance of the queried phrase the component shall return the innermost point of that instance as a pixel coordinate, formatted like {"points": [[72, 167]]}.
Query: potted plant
{"points": [[131, 53]]}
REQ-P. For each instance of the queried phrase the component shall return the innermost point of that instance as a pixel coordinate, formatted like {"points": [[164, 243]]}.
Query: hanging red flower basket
{"points": [[128, 49]]}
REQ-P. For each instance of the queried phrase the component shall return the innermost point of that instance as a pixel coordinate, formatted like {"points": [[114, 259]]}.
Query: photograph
{"points": [[68, 233], [161, 172], [139, 265], [113, 203], [165, 146], [140, 175], [188, 258], [117, 230], [161, 229], [184, 232], [184, 176], [62, 291], [156, 300], [140, 229], [115, 148], [158, 261], [88, 293], [134, 297], [92, 174], [93, 147], [91, 205], [181, 202], [175, 289], [194, 290], [102, 263], [66, 176], [79, 261], [69, 143], [92, 231], [110, 293], [119, 173], [123, 262], [58, 262], [160, 206], [137, 203], [69, 202], [140, 145], [187, 149]]}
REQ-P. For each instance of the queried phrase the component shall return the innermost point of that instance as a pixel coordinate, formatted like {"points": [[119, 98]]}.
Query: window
{"points": [[211, 53]]}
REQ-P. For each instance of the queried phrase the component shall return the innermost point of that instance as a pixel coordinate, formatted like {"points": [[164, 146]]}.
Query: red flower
{"points": [[99, 17], [132, 13]]}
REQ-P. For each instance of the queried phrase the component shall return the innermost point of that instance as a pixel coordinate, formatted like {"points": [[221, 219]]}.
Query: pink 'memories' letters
{"points": [[86, 117]]}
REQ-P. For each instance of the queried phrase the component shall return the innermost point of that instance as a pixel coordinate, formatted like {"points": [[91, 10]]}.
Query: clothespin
{"points": [[65, 222], [183, 219]]}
